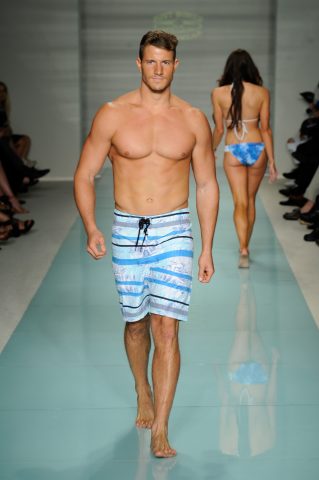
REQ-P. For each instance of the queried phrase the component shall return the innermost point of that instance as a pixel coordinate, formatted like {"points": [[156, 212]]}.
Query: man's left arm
{"points": [[207, 192]]}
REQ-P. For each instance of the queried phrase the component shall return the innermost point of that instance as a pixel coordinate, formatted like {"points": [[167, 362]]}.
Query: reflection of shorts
{"points": [[153, 264], [249, 373]]}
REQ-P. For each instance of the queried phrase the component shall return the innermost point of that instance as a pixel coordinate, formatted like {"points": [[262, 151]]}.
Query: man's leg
{"points": [[137, 341], [165, 371]]}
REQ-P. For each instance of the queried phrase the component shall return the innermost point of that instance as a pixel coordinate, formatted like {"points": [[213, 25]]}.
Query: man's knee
{"points": [[138, 329], [164, 329]]}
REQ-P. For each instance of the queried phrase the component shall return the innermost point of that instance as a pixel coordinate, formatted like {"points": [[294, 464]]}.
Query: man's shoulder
{"points": [[188, 109], [118, 105], [195, 117], [123, 101]]}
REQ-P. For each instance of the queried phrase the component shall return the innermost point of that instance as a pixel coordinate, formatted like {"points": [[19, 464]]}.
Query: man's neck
{"points": [[154, 100]]}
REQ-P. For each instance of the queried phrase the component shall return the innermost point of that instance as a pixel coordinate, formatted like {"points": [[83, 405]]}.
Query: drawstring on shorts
{"points": [[143, 222]]}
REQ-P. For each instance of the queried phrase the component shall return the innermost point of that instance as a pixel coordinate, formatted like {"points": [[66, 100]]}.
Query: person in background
{"points": [[242, 103]]}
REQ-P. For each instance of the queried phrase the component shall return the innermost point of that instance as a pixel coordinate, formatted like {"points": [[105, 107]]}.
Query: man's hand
{"points": [[206, 267], [96, 244]]}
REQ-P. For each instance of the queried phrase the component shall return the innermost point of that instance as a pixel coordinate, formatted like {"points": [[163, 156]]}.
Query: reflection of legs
{"points": [[138, 343], [238, 180], [166, 365], [255, 176], [247, 342], [240, 351]]}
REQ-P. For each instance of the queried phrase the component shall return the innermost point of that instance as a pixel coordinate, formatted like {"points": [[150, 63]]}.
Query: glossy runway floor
{"points": [[247, 403]]}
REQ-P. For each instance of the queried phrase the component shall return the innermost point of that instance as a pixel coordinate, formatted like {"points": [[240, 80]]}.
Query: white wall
{"points": [[296, 70], [39, 51]]}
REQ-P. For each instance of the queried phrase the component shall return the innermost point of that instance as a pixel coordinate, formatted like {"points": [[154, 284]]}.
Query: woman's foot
{"points": [[28, 182], [19, 227], [11, 205], [16, 206], [243, 260], [5, 232]]}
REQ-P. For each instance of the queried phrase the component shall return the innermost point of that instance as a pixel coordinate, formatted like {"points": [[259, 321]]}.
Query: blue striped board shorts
{"points": [[152, 263]]}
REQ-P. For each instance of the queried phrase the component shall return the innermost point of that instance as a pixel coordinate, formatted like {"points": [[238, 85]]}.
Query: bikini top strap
{"points": [[250, 120]]}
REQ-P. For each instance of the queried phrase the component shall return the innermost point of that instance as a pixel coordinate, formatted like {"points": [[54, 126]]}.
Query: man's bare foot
{"points": [[160, 446], [145, 409]]}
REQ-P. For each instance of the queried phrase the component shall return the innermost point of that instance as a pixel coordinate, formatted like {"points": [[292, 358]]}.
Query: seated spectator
{"points": [[20, 176], [16, 227], [21, 143], [14, 149], [8, 201], [305, 151]]}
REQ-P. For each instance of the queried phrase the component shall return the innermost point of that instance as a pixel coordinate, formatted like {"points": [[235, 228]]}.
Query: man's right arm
{"points": [[94, 153]]}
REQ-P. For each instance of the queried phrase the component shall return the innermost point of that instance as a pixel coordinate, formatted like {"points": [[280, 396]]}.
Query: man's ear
{"points": [[176, 63], [139, 63]]}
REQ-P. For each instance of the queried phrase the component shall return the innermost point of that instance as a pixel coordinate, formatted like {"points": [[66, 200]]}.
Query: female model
{"points": [[242, 103]]}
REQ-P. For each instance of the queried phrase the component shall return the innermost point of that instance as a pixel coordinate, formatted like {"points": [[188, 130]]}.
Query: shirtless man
{"points": [[152, 138]]}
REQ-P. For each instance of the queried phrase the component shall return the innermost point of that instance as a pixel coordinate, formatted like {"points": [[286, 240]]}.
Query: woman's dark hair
{"points": [[159, 39], [239, 68], [6, 102]]}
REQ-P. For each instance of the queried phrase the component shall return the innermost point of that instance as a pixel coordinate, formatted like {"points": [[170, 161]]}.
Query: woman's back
{"points": [[251, 103]]}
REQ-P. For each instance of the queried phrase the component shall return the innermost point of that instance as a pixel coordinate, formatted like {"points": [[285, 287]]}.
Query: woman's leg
{"points": [[5, 189], [255, 175], [22, 145], [238, 181]]}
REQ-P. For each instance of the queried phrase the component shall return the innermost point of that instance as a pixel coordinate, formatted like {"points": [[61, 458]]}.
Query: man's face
{"points": [[157, 68]]}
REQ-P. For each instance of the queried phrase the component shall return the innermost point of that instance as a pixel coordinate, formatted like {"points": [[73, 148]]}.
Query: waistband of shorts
{"points": [[124, 216]]}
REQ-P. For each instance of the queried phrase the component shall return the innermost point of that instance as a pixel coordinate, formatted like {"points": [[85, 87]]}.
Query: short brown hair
{"points": [[160, 39]]}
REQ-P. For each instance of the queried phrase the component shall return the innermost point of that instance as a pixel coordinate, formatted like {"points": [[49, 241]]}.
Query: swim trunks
{"points": [[152, 263]]}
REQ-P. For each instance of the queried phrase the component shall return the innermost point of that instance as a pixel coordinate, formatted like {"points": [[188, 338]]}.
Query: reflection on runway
{"points": [[247, 386], [159, 469]]}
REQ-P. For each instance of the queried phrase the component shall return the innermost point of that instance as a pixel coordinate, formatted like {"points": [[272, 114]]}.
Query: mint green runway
{"points": [[247, 402]]}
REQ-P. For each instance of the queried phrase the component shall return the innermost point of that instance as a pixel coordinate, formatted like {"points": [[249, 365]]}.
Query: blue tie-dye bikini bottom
{"points": [[247, 153]]}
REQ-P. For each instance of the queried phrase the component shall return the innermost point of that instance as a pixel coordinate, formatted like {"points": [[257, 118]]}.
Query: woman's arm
{"points": [[218, 131], [266, 135]]}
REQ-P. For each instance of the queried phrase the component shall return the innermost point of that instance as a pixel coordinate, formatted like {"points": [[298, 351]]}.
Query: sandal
{"points": [[15, 224], [13, 204], [27, 224], [4, 208], [5, 232]]}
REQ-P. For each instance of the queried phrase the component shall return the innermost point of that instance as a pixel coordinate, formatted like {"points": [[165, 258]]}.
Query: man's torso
{"points": [[150, 154]]}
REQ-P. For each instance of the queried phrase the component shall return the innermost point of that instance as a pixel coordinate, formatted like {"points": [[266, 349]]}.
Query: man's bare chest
{"points": [[140, 137]]}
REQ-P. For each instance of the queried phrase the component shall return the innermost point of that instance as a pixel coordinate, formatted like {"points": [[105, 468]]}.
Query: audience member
{"points": [[304, 192]]}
